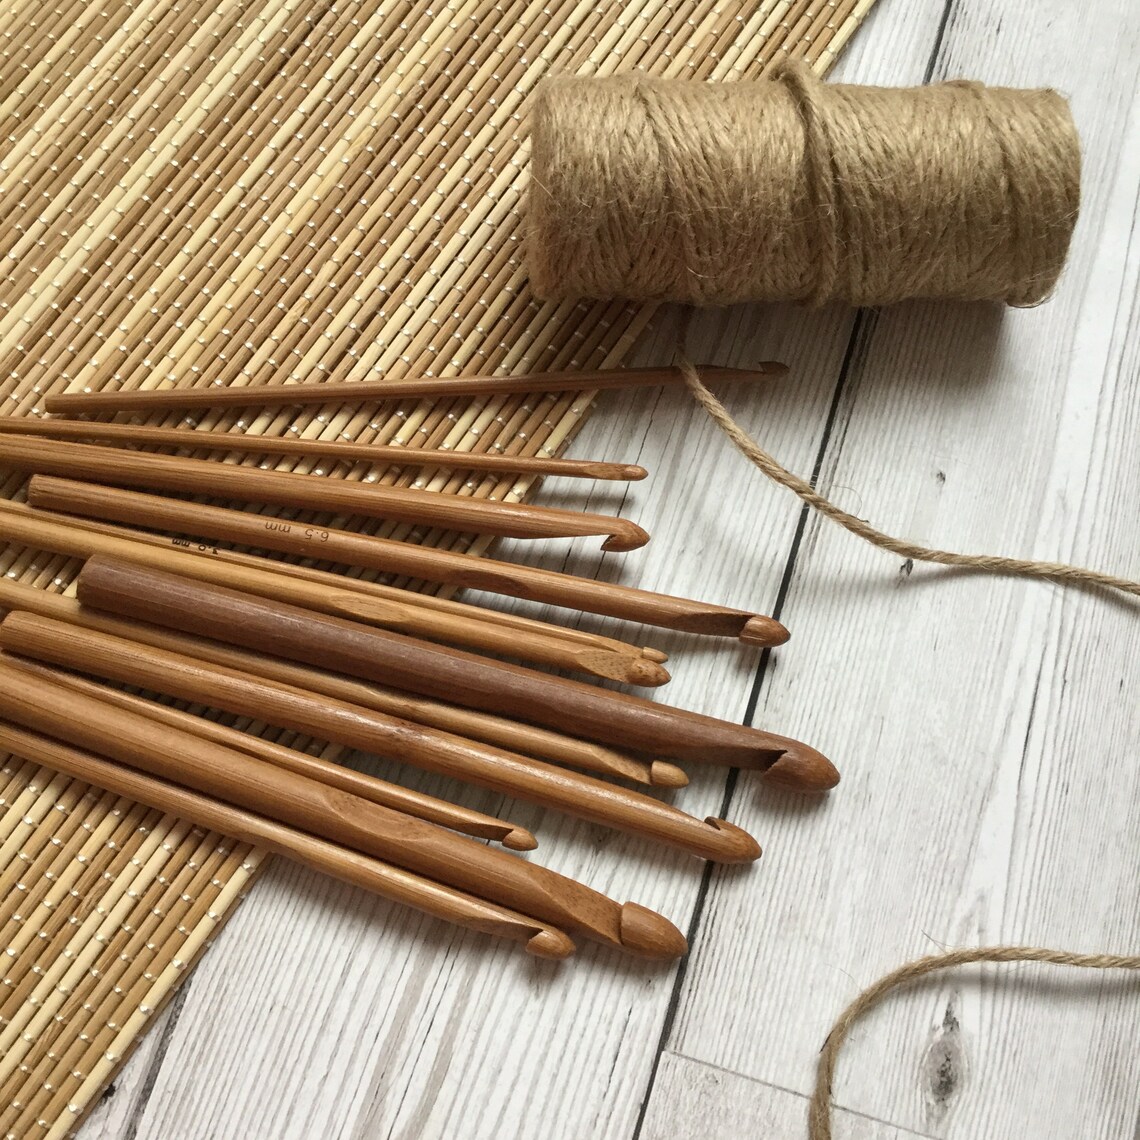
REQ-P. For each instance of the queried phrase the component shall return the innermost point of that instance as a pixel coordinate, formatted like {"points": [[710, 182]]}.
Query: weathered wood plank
{"points": [[987, 728], [698, 1100], [113, 1117]]}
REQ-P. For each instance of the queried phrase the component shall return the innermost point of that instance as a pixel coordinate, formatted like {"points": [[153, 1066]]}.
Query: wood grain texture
{"points": [[988, 729], [990, 726], [437, 620], [700, 1100]]}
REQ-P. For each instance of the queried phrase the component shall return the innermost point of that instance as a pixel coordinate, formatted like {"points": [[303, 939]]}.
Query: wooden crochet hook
{"points": [[328, 593], [46, 485], [525, 739], [339, 450], [442, 673], [276, 395], [312, 492], [346, 779], [41, 639], [381, 878], [249, 783], [433, 565]]}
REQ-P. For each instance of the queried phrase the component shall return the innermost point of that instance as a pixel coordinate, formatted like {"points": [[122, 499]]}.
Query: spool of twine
{"points": [[790, 189]]}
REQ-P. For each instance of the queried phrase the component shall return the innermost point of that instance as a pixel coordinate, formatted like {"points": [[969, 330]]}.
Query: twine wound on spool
{"points": [[819, 1110], [790, 189]]}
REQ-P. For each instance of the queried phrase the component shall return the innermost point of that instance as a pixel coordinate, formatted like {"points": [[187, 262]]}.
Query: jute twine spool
{"points": [[791, 189]]}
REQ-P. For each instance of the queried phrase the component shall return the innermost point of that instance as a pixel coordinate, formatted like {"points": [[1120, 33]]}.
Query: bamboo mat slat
{"points": [[228, 192]]}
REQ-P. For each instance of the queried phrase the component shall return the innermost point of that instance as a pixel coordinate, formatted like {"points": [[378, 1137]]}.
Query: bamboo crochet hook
{"points": [[525, 739], [296, 801], [41, 639], [468, 615], [334, 811], [348, 780], [276, 395], [431, 564], [442, 673], [381, 878], [252, 484], [339, 450], [452, 622]]}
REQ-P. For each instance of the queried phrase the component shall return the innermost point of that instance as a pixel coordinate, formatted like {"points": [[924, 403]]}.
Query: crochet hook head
{"points": [[801, 769]]}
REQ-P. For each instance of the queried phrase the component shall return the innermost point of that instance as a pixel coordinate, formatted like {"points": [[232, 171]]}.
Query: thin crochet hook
{"points": [[340, 450], [358, 391], [372, 500]]}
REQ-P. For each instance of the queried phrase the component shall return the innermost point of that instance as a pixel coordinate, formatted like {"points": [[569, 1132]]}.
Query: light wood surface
{"points": [[253, 485], [698, 1099], [986, 730]]}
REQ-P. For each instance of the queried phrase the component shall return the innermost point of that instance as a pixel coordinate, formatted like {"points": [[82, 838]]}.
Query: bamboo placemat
{"points": [[227, 192]]}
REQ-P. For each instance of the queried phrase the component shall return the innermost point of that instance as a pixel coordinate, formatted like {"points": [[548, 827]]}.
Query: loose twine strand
{"points": [[987, 563], [819, 1109]]}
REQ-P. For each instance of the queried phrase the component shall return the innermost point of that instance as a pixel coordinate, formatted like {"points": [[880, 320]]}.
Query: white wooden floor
{"points": [[988, 732]]}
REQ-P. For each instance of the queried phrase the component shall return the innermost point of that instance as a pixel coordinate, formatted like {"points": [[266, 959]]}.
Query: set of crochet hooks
{"points": [[406, 676]]}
